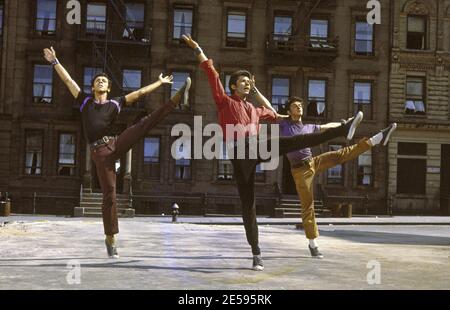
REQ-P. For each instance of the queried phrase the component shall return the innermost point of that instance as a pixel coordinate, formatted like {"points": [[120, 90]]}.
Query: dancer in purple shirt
{"points": [[304, 166]]}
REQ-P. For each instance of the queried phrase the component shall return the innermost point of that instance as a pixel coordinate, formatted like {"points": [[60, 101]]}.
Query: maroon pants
{"points": [[105, 158]]}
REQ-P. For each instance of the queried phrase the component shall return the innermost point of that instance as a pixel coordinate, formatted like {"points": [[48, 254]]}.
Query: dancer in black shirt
{"points": [[98, 114]]}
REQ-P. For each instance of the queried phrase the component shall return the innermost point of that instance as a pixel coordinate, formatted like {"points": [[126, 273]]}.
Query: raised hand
{"points": [[252, 82], [191, 43], [165, 79], [49, 54]]}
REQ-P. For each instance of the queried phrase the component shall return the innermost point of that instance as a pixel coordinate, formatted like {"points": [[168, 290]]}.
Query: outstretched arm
{"points": [[329, 126], [50, 56], [215, 84], [134, 96]]}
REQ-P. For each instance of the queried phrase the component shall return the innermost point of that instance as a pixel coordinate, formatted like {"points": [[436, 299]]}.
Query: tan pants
{"points": [[304, 179]]}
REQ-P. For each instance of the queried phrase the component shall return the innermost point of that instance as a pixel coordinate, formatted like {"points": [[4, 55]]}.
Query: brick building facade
{"points": [[321, 50]]}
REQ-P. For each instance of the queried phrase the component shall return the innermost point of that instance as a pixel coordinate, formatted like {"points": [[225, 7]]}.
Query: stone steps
{"points": [[91, 206]]}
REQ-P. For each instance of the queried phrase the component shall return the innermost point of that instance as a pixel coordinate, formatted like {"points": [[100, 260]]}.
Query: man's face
{"points": [[101, 84], [296, 109], [242, 87]]}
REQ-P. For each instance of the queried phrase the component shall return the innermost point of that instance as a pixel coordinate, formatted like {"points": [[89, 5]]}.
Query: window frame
{"points": [[190, 101], [178, 6], [425, 33], [51, 103], [176, 165], [306, 109], [41, 167], [357, 106], [284, 38], [414, 98], [147, 173], [90, 31], [127, 90], [357, 20], [129, 37], [280, 107], [58, 164], [45, 33], [234, 41], [342, 176], [358, 166]]}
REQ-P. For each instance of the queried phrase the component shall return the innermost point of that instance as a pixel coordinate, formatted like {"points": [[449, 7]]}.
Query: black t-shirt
{"points": [[98, 119]]}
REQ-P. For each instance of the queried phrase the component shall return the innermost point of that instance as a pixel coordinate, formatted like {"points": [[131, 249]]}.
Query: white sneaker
{"points": [[355, 123], [387, 133]]}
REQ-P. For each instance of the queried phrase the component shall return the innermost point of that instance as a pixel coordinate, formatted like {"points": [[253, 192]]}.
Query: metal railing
{"points": [[124, 32], [295, 43]]}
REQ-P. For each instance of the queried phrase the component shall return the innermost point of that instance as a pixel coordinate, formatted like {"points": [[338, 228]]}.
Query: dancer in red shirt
{"points": [[236, 110]]}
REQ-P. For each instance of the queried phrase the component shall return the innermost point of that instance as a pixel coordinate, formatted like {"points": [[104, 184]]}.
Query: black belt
{"points": [[304, 162], [100, 142]]}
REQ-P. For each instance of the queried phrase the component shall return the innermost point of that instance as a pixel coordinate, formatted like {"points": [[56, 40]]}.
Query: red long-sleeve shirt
{"points": [[232, 109]]}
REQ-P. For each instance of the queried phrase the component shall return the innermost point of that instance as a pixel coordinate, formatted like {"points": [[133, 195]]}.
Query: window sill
{"points": [[223, 182], [235, 48], [44, 36], [44, 105], [363, 57], [413, 116], [410, 196], [409, 50]]}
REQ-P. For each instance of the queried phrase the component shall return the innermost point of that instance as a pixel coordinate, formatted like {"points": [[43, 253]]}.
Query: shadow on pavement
{"points": [[385, 237]]}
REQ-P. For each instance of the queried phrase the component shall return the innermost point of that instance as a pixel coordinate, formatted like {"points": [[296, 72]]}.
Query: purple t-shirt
{"points": [[289, 128]]}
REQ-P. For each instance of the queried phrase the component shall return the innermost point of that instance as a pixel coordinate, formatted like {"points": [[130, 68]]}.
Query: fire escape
{"points": [[301, 46], [111, 41]]}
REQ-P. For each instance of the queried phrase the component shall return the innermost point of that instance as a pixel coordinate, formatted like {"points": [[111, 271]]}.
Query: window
{"points": [[89, 73], [183, 164], [417, 29], [33, 152], [362, 97], [415, 96], [182, 22], [179, 78], [66, 156], [364, 173], [46, 17], [282, 28], [363, 38], [225, 169], [151, 157], [42, 84], [227, 80], [96, 18], [280, 92], [131, 80], [317, 90], [411, 168], [2, 5], [134, 15], [335, 174], [237, 29]]}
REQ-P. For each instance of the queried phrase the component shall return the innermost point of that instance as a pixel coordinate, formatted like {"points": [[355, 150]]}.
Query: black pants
{"points": [[244, 173]]}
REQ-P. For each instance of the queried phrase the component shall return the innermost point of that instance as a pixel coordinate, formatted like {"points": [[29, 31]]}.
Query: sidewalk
{"points": [[41, 252], [232, 220]]}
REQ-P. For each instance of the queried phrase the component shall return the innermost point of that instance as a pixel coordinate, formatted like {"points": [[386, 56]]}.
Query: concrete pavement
{"points": [[45, 253]]}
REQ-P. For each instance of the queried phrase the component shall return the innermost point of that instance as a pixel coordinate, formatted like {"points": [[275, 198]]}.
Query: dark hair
{"points": [[291, 100], [235, 76], [98, 75]]}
